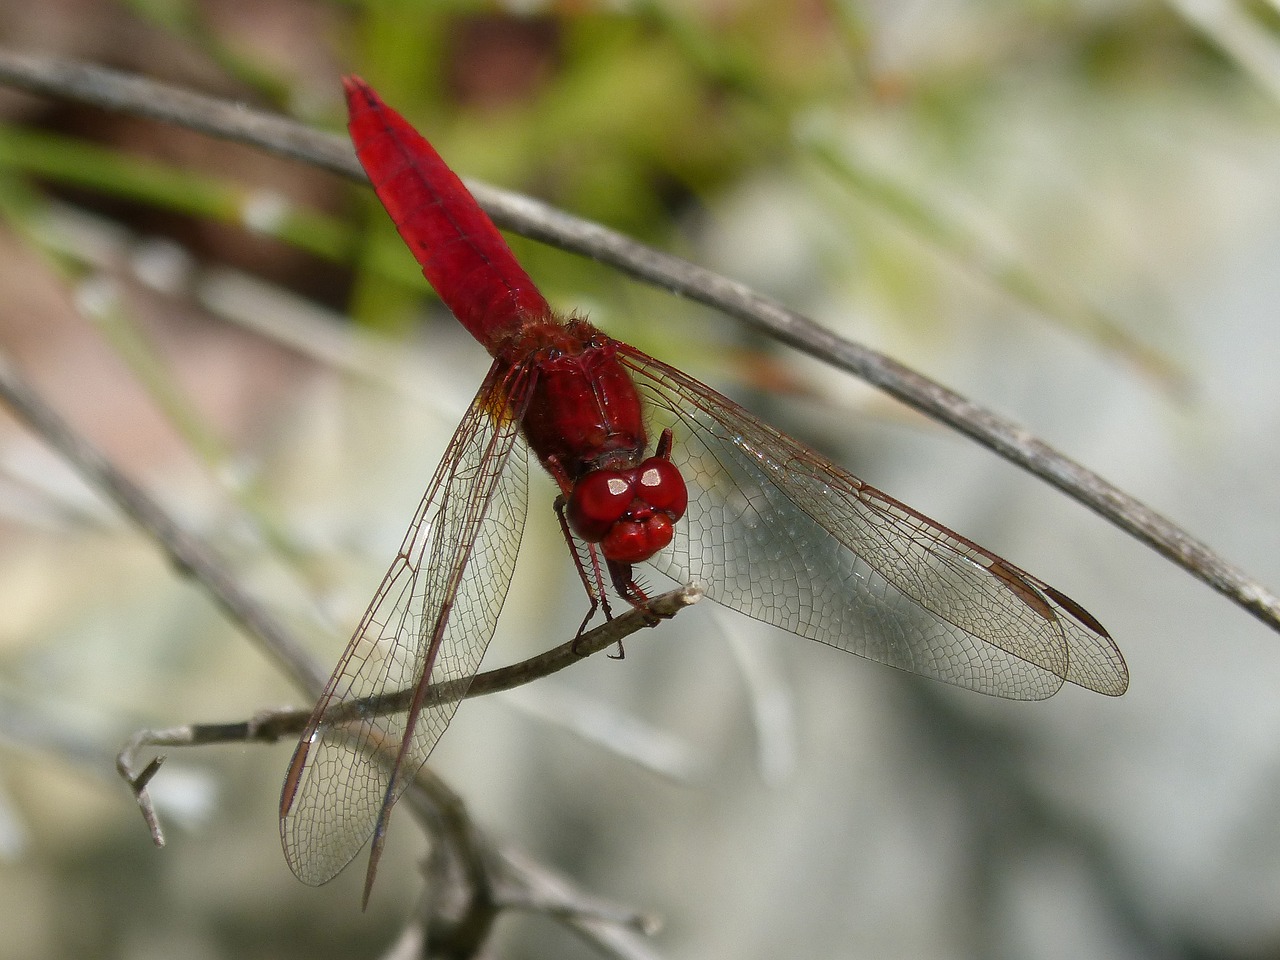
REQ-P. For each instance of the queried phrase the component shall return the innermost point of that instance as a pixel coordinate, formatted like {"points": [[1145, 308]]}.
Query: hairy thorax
{"points": [[584, 412]]}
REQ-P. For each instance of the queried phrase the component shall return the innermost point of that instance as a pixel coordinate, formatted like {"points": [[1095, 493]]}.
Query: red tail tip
{"points": [[353, 86]]}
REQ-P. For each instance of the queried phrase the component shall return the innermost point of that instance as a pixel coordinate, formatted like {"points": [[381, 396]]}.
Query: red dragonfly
{"points": [[765, 525]]}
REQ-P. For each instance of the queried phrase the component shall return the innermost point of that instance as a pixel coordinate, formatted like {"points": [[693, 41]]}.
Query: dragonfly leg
{"points": [[626, 584], [589, 571]]}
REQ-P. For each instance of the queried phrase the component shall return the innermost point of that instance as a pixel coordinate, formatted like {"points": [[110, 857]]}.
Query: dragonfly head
{"points": [[631, 513]]}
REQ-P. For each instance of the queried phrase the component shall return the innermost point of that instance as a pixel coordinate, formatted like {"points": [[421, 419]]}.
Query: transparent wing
{"points": [[430, 620], [780, 533]]}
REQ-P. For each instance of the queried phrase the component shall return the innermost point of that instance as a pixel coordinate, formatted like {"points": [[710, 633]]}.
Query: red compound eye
{"points": [[598, 501], [662, 487]]}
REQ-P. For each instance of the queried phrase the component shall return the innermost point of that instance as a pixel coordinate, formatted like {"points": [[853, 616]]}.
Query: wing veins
{"points": [[924, 557], [474, 506]]}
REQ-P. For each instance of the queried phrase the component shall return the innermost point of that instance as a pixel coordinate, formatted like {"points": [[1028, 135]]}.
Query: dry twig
{"points": [[271, 726]]}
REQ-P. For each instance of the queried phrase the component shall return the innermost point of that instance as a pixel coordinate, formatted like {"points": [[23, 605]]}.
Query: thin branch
{"points": [[143, 97], [510, 880], [137, 95], [555, 895], [271, 726], [659, 608]]}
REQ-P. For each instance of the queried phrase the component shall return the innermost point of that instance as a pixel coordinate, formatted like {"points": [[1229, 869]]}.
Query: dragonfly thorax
{"points": [[584, 412]]}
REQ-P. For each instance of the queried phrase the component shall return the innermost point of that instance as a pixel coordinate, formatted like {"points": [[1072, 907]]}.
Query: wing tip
{"points": [[1107, 674]]}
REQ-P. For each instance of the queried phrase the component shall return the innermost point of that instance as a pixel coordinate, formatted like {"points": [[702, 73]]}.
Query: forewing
{"points": [[432, 617], [777, 531]]}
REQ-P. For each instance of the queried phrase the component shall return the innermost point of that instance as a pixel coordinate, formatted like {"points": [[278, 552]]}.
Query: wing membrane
{"points": [[431, 620], [778, 532]]}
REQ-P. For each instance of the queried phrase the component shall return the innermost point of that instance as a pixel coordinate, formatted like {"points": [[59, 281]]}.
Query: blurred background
{"points": [[1068, 211]]}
